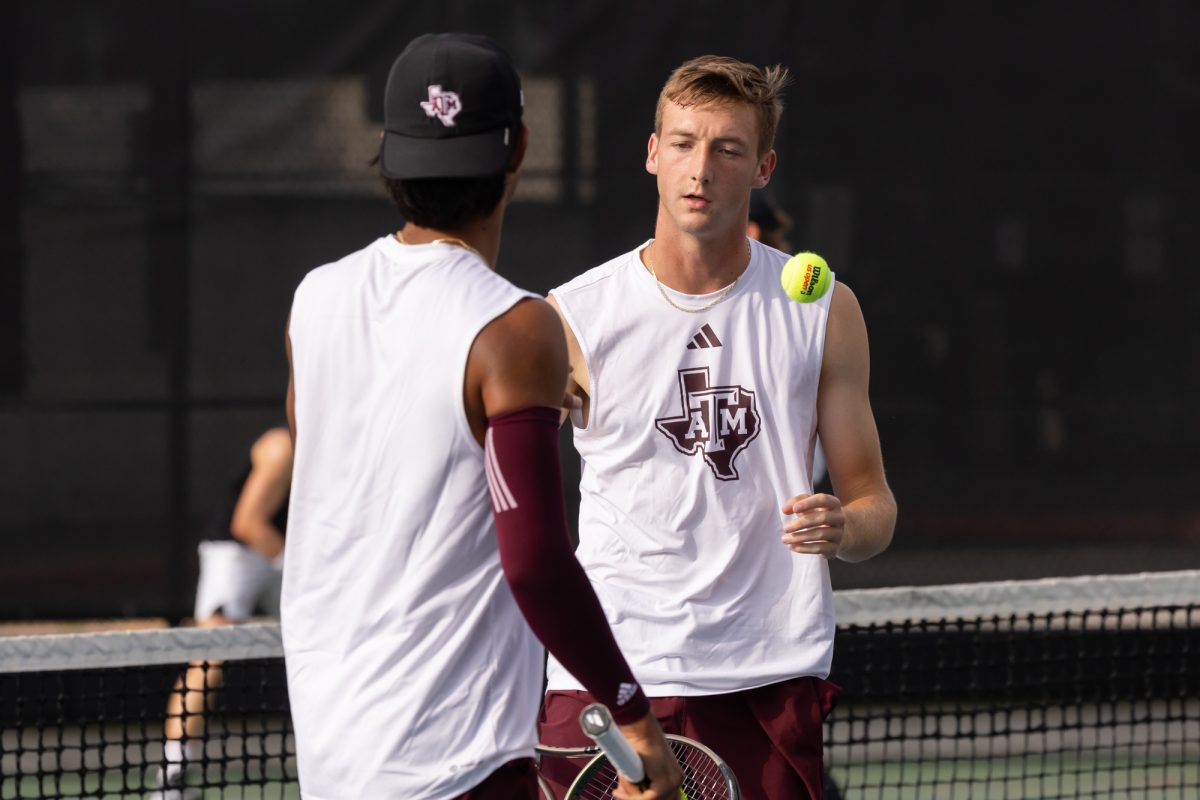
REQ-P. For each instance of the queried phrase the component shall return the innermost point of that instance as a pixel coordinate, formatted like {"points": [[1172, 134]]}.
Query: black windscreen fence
{"points": [[1010, 190]]}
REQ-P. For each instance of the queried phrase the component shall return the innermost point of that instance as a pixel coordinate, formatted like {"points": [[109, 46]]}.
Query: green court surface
{"points": [[121, 784], [1028, 777], [1031, 777]]}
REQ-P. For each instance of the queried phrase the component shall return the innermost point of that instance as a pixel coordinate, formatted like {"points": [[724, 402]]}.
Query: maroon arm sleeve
{"points": [[521, 456]]}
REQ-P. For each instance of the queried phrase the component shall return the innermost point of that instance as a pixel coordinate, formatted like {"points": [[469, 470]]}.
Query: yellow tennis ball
{"points": [[805, 277]]}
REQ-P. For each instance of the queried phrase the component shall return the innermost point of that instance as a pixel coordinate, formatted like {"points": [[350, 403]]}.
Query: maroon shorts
{"points": [[516, 780], [769, 736]]}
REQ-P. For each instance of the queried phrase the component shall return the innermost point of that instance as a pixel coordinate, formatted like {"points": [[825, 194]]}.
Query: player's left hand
{"points": [[819, 525]]}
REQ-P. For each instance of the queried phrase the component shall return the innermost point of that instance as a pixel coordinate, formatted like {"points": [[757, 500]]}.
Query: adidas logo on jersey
{"points": [[625, 693], [705, 339]]}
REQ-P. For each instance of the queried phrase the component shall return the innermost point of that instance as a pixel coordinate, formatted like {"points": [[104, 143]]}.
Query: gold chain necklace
{"points": [[696, 310], [444, 240]]}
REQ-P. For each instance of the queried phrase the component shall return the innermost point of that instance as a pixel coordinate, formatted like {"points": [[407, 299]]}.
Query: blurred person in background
{"points": [[768, 223], [241, 559], [703, 389]]}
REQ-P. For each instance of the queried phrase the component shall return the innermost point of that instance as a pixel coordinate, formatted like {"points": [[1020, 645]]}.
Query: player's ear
{"points": [[518, 154], [652, 154], [765, 167]]}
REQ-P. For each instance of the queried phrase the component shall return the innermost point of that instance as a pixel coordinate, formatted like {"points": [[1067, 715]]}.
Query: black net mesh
{"points": [[1050, 698], [141, 715], [1098, 704], [102, 733]]}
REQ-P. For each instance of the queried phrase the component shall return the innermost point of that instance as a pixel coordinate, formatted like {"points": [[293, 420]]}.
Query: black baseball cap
{"points": [[451, 109]]}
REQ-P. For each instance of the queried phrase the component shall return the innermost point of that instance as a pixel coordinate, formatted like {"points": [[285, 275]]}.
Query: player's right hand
{"points": [[662, 770]]}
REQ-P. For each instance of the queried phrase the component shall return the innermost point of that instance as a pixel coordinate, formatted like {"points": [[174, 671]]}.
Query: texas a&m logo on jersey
{"points": [[718, 422], [443, 105]]}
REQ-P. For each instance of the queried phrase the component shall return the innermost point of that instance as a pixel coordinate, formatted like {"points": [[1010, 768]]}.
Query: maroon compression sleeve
{"points": [[521, 456]]}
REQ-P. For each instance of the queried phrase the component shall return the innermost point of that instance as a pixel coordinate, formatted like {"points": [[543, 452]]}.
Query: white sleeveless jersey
{"points": [[701, 426], [411, 671]]}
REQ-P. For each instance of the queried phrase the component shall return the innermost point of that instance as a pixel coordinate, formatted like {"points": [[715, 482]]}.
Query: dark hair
{"points": [[447, 204]]}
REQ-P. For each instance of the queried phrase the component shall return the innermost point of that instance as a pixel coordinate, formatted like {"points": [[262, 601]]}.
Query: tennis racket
{"points": [[705, 775]]}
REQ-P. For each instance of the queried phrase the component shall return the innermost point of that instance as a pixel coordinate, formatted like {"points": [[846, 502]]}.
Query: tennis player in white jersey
{"points": [[704, 389], [427, 540]]}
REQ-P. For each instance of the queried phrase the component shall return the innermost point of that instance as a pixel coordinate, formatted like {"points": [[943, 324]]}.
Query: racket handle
{"points": [[597, 723]]}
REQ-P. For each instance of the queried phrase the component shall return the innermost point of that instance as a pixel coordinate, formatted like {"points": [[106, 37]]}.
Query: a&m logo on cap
{"points": [[443, 105]]}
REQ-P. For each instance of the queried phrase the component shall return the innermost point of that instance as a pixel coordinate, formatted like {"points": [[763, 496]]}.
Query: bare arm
{"points": [[264, 493], [577, 396], [519, 363], [857, 521], [518, 360]]}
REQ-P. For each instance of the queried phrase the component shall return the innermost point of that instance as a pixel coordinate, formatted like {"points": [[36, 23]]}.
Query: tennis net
{"points": [[86, 715], [1061, 688], [1076, 687]]}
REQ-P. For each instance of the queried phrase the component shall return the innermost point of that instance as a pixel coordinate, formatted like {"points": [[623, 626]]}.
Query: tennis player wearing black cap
{"points": [[427, 541]]}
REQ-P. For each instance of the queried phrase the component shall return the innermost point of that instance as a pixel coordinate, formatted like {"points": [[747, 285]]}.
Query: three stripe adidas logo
{"points": [[502, 496], [704, 339]]}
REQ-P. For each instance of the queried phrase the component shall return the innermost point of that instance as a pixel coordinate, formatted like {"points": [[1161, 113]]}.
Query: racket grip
{"points": [[597, 723]]}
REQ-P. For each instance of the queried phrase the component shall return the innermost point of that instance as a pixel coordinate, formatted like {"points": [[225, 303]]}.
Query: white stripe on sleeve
{"points": [[502, 497], [497, 499]]}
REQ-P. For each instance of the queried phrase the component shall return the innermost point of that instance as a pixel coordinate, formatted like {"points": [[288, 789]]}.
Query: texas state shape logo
{"points": [[718, 422]]}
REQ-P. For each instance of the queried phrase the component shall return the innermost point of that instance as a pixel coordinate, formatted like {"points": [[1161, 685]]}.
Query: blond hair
{"points": [[723, 80]]}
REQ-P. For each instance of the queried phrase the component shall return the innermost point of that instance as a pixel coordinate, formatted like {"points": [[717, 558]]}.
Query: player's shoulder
{"points": [[530, 319], [771, 261], [275, 446], [471, 271], [768, 253], [473, 280], [844, 303], [597, 278], [326, 276], [527, 337]]}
